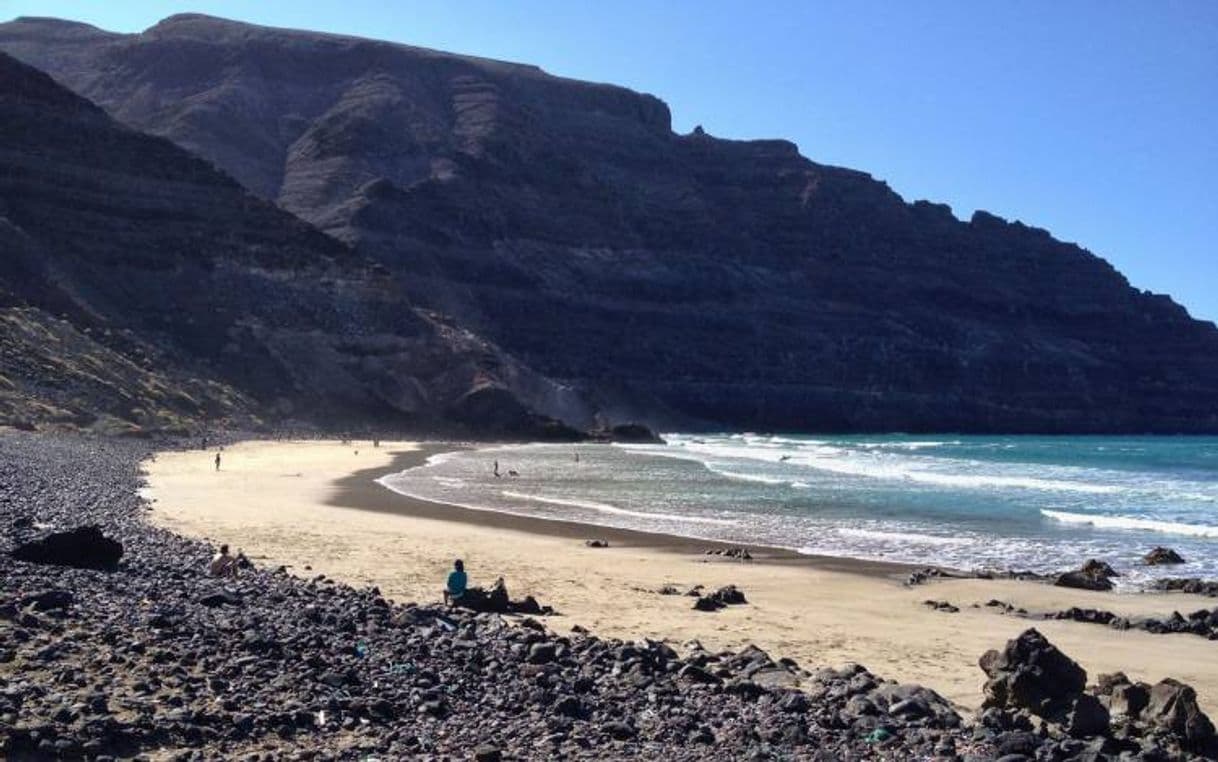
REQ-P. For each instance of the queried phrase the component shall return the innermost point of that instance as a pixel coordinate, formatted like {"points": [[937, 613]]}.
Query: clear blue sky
{"points": [[1097, 120]]}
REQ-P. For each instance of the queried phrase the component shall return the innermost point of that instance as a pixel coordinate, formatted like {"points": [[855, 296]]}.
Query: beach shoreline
{"points": [[315, 507], [361, 490]]}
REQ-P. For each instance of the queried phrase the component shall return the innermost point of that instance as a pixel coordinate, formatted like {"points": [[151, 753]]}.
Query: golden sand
{"points": [[315, 504]]}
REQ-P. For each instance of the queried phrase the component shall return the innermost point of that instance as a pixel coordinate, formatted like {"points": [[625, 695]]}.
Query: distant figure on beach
{"points": [[222, 564], [576, 457], [457, 582], [376, 443], [218, 466], [496, 469]]}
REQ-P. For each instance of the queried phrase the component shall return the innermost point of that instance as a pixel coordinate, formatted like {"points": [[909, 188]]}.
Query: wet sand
{"points": [[316, 504]]}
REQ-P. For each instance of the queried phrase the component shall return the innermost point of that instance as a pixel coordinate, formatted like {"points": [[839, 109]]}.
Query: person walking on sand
{"points": [[457, 582], [217, 461]]}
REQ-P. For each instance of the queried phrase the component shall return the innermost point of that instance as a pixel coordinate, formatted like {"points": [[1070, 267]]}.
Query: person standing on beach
{"points": [[217, 461], [496, 469]]}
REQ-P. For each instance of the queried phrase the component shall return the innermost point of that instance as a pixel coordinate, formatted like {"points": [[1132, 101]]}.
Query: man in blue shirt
{"points": [[457, 582]]}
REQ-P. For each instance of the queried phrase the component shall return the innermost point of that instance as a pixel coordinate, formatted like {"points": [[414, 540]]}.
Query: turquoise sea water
{"points": [[1018, 502]]}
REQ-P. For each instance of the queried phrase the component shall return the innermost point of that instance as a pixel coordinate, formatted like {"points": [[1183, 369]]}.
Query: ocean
{"points": [[969, 502]]}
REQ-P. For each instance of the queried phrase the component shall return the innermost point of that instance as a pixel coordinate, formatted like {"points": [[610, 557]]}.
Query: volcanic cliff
{"points": [[141, 287], [733, 282]]}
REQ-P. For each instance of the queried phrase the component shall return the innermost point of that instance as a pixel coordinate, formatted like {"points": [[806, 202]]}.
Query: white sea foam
{"points": [[1130, 522], [839, 461], [758, 478], [904, 445], [911, 501], [606, 508], [903, 538]]}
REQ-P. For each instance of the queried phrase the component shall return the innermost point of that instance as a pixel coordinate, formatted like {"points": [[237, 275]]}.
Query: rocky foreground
{"points": [[156, 657]]}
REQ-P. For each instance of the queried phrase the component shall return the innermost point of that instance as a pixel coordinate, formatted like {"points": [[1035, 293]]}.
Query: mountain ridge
{"points": [[143, 289], [735, 282]]}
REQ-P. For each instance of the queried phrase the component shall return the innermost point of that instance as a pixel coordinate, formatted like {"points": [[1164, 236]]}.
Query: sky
{"points": [[1097, 120]]}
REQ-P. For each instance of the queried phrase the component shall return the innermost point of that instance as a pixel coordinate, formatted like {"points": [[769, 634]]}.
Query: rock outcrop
{"points": [[1094, 575], [1031, 678], [82, 548], [1160, 556], [141, 287], [666, 276], [1193, 585], [1031, 674]]}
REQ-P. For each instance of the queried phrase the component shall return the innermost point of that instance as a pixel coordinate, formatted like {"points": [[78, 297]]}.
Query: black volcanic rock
{"points": [[727, 281], [1094, 575], [1160, 556], [141, 287], [83, 548], [1031, 674]]}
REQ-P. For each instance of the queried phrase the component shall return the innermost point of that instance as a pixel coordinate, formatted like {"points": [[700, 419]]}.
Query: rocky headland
{"points": [[680, 279], [141, 289]]}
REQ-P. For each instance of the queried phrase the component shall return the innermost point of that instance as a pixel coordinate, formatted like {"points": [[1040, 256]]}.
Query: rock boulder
{"points": [[83, 548], [1031, 674]]}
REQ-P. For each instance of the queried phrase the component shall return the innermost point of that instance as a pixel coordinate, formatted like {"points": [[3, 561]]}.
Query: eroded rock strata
{"points": [[667, 276], [139, 284]]}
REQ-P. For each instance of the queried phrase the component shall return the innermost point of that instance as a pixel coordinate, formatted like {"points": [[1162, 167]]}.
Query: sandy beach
{"points": [[314, 506]]}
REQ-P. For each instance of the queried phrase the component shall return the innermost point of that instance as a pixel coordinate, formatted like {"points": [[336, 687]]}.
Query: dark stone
{"points": [[596, 543], [49, 600], [1019, 742], [1191, 585], [1173, 706], [1122, 696], [794, 702], [1097, 568], [729, 596], [222, 598], [487, 753], [1031, 674], [570, 706], [496, 600], [542, 653], [83, 548], [1161, 555], [739, 553], [696, 674], [943, 606], [1094, 575], [620, 730], [1087, 717]]}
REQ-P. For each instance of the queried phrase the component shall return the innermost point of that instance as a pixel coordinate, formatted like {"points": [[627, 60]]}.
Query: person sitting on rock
{"points": [[457, 581], [223, 565]]}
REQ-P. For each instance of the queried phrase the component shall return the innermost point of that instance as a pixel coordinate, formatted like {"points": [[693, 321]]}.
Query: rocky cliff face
{"points": [[140, 285], [733, 282]]}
